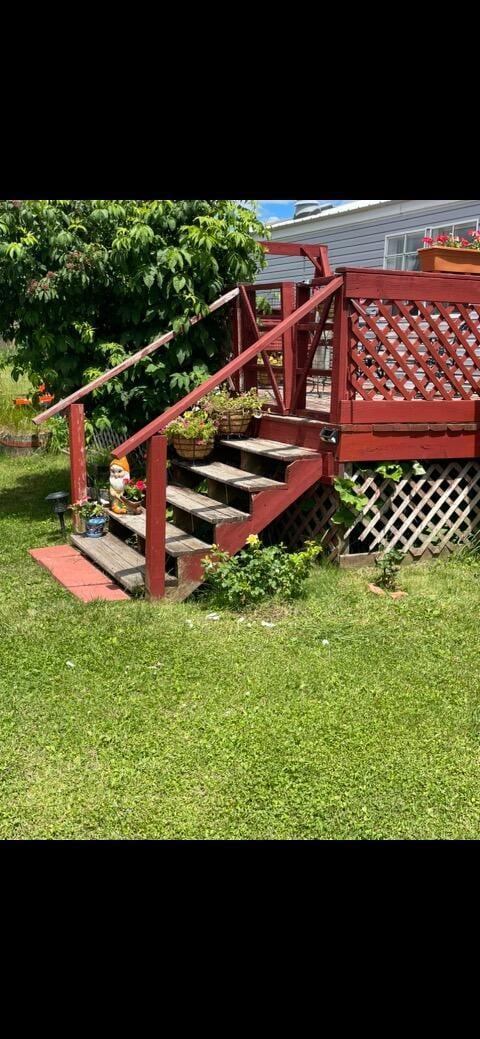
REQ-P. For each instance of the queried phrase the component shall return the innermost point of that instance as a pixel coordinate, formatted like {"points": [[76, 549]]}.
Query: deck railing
{"points": [[246, 355], [411, 347]]}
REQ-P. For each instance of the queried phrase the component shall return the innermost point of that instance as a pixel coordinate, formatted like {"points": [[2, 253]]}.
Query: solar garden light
{"points": [[59, 500]]}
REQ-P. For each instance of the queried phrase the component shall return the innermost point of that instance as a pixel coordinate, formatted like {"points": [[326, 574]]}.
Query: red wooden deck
{"points": [[359, 365]]}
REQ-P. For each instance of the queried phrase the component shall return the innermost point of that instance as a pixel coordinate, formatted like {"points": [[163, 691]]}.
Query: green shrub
{"points": [[388, 564], [58, 439], [257, 573], [86, 282]]}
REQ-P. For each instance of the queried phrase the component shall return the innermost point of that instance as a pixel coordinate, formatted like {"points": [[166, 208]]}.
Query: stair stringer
{"points": [[265, 507]]}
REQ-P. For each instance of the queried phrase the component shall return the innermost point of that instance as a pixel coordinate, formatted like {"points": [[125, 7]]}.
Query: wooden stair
{"points": [[124, 564], [241, 500]]}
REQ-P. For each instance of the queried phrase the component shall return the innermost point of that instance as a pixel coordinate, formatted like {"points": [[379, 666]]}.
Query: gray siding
{"points": [[357, 239]]}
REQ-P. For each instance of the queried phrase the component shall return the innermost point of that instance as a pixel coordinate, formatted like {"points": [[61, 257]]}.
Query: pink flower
{"points": [[428, 241]]}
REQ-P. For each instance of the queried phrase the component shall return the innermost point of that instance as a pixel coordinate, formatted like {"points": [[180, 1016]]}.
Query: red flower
{"points": [[428, 241], [140, 485]]}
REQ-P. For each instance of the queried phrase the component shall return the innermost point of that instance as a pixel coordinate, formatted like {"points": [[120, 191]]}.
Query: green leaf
{"points": [[344, 517]]}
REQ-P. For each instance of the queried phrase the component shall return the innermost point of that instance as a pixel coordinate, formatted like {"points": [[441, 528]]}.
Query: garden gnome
{"points": [[119, 475]]}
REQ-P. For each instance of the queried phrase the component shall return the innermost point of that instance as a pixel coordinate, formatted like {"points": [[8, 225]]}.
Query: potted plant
{"points": [[451, 254], [134, 496], [17, 436], [92, 514], [193, 434], [232, 412]]}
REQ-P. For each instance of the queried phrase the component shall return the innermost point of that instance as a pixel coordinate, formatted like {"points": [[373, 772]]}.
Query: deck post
{"points": [[289, 351], [340, 395], [78, 463], [301, 351], [250, 372], [155, 517]]}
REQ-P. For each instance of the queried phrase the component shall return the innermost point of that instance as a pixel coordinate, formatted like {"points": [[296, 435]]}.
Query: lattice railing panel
{"points": [[309, 517], [431, 512], [413, 350]]}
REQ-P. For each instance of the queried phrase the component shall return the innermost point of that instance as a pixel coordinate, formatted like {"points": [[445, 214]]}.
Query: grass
{"points": [[353, 718], [14, 418]]}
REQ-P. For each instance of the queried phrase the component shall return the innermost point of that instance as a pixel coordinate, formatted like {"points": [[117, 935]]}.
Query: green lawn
{"points": [[121, 721]]}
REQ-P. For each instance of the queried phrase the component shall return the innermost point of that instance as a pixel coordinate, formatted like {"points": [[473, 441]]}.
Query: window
{"points": [[401, 249]]}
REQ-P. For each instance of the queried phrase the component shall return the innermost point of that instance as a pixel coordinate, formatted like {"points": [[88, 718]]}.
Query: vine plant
{"points": [[353, 503]]}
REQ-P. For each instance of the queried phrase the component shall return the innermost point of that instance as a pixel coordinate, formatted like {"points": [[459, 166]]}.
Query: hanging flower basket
{"points": [[234, 422], [192, 449]]}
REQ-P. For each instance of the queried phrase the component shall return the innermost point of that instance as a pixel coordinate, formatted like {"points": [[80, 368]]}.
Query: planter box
{"points": [[22, 443], [450, 261]]}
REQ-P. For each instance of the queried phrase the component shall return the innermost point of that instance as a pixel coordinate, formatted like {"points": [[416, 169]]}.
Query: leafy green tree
{"points": [[86, 282]]}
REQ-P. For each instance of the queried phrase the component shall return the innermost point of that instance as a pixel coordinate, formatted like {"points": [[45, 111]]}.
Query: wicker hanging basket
{"points": [[233, 422], [192, 449]]}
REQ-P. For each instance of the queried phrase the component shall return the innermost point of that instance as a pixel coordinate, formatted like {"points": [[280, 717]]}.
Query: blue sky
{"points": [[283, 208]]}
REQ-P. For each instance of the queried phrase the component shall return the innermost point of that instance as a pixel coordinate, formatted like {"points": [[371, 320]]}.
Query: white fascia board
{"points": [[346, 215]]}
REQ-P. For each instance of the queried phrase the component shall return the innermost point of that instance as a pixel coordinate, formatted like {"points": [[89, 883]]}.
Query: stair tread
{"points": [[204, 508], [228, 474], [177, 541], [134, 523], [272, 449], [123, 563]]}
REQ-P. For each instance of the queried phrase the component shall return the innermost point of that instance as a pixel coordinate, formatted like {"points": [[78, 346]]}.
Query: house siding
{"points": [[357, 239]]}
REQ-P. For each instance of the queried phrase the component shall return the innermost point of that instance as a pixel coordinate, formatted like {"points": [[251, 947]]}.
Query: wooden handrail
{"points": [[122, 367], [228, 370]]}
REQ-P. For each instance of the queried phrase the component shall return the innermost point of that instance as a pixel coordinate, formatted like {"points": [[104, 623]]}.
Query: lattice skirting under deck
{"points": [[421, 515]]}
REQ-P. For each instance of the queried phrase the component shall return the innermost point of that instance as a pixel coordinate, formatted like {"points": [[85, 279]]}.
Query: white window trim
{"points": [[428, 232]]}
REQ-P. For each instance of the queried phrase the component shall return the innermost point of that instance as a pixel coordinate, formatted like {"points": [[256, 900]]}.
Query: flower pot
{"points": [[96, 526], [192, 449], [233, 422], [134, 508], [22, 443], [450, 261]]}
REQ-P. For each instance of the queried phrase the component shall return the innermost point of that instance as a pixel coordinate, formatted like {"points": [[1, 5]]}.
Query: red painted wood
{"points": [[289, 342], [412, 411], [376, 283], [317, 254], [78, 463], [249, 333], [228, 370], [155, 518], [339, 391], [303, 434], [119, 368], [318, 329], [235, 331], [301, 347], [267, 505], [247, 301], [384, 446]]}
